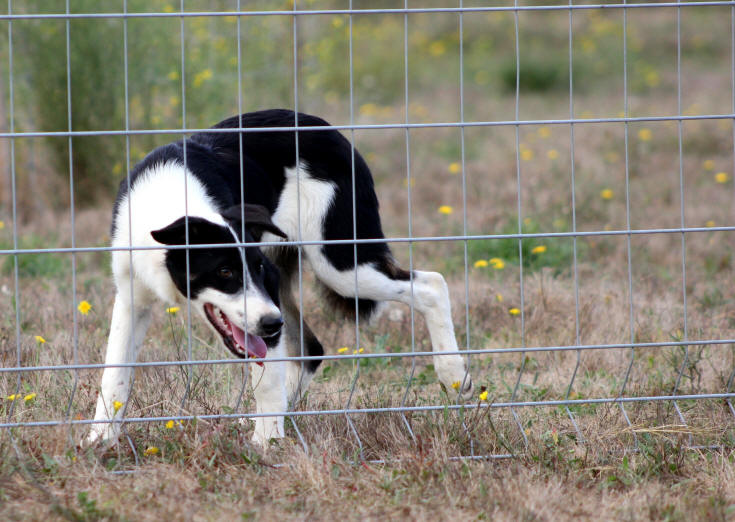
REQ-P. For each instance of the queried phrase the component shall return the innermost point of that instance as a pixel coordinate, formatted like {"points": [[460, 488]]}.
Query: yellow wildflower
{"points": [[497, 263], [445, 209], [526, 154], [456, 385], [645, 134], [540, 249], [337, 22], [483, 396], [29, 397], [555, 436], [652, 79], [40, 340], [527, 431], [709, 223], [169, 425], [172, 310], [455, 167], [151, 450], [437, 48], [514, 311], [168, 8], [2, 225], [13, 397], [481, 263], [721, 177], [368, 109], [117, 405], [544, 132], [201, 77], [499, 297], [588, 46], [342, 350], [552, 154], [173, 101], [355, 352], [84, 307], [708, 164], [606, 194], [418, 110]]}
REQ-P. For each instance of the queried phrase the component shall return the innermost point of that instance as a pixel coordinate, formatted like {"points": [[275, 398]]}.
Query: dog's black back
{"points": [[214, 158]]}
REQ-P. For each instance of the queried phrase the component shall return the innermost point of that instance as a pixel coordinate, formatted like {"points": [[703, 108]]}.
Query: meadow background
{"points": [[207, 469]]}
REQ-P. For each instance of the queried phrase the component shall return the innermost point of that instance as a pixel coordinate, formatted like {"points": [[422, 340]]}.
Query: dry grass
{"points": [[208, 470]]}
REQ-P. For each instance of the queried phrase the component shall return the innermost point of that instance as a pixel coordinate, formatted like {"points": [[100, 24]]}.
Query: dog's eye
{"points": [[225, 273]]}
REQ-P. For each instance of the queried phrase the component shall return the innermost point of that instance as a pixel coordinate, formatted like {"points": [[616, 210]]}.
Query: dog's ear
{"points": [[201, 231], [257, 220]]}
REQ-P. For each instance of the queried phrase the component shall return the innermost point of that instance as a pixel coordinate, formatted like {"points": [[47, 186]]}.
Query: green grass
{"points": [[44, 265], [554, 253]]}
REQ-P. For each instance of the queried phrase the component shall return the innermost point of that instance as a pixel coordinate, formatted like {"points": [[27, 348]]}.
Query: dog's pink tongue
{"points": [[255, 345]]}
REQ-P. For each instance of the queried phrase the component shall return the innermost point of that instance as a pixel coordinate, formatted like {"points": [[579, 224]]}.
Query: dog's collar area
{"points": [[233, 336]]}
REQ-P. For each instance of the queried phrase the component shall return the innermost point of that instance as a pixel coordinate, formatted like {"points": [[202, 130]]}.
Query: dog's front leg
{"points": [[127, 331], [269, 388]]}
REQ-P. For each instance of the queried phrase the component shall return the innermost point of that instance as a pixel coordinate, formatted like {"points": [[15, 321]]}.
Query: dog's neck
{"points": [[162, 194]]}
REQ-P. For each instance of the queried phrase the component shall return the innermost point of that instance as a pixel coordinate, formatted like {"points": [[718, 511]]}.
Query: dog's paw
{"points": [[100, 435], [454, 377], [266, 429]]}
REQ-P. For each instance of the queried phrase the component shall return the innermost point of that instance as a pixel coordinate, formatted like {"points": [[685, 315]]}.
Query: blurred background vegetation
{"points": [[210, 67], [384, 93]]}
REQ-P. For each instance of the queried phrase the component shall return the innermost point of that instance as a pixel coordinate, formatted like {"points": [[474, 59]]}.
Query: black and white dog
{"points": [[246, 296]]}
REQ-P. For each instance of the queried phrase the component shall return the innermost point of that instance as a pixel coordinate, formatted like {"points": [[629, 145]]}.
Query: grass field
{"points": [[207, 470]]}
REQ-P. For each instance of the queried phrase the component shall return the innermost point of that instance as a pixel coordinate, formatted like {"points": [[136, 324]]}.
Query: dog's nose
{"points": [[271, 325]]}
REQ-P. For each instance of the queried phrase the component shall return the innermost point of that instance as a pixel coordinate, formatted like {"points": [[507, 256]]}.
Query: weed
{"points": [[537, 253], [44, 265]]}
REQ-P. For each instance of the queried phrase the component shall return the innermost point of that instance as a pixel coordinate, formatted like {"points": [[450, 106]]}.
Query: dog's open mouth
{"points": [[234, 337]]}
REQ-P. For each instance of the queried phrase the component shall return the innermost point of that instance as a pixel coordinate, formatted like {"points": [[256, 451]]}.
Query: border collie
{"points": [[245, 294]]}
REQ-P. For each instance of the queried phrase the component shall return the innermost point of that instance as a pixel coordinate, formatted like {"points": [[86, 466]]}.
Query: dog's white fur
{"points": [[430, 293], [145, 280]]}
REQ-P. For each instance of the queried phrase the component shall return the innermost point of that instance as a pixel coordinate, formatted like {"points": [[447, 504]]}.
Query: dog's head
{"points": [[226, 283]]}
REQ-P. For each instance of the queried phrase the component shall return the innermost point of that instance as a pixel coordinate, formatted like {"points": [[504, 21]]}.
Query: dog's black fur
{"points": [[215, 159], [253, 174]]}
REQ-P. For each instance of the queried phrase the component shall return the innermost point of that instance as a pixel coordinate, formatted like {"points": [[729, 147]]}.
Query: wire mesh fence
{"points": [[605, 299]]}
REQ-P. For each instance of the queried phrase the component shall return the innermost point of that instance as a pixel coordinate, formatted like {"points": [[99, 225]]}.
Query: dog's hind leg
{"points": [[127, 330], [384, 281], [367, 269]]}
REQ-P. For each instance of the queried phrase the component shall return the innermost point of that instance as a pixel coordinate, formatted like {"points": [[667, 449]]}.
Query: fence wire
{"points": [[472, 342]]}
